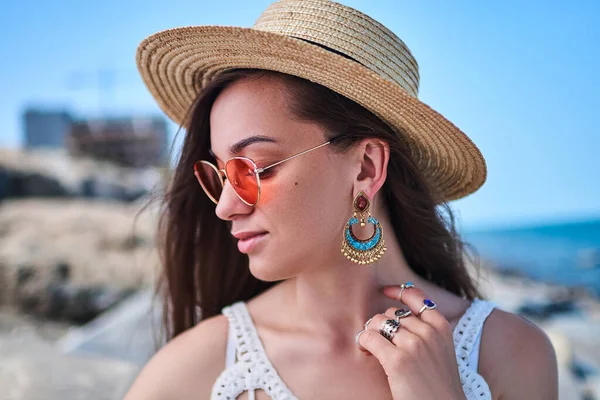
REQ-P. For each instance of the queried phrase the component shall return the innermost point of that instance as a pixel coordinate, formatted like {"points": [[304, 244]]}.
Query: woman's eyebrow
{"points": [[242, 144]]}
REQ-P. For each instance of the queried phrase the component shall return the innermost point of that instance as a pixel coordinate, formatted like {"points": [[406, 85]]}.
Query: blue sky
{"points": [[520, 78]]}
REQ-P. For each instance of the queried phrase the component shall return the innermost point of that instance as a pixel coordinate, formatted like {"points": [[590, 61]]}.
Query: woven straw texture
{"points": [[305, 38]]}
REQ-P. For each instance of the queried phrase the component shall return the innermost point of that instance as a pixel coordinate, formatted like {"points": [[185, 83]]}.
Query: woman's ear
{"points": [[373, 158]]}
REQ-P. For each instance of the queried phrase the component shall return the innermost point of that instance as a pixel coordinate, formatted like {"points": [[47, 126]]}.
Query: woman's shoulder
{"points": [[517, 357], [187, 366]]}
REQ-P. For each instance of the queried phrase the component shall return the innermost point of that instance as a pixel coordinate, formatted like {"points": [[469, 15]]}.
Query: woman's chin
{"points": [[266, 271]]}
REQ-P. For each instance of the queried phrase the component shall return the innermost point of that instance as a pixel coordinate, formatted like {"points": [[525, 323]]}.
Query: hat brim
{"points": [[176, 64]]}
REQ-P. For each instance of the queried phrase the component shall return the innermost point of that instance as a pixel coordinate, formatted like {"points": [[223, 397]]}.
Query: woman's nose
{"points": [[230, 204]]}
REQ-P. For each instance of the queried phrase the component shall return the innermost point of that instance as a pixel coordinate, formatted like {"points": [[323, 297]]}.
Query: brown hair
{"points": [[202, 269]]}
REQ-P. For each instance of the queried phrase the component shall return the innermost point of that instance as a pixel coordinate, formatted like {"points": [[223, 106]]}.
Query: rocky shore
{"points": [[72, 259], [65, 264], [44, 173], [569, 316]]}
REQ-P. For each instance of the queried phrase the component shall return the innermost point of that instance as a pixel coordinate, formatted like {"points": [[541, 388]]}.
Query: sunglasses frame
{"points": [[222, 173]]}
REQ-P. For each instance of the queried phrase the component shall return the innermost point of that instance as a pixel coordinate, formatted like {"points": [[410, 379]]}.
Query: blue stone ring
{"points": [[427, 305]]}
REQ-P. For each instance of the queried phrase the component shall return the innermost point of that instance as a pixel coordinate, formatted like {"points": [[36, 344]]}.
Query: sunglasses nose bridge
{"points": [[223, 175], [234, 192], [247, 171]]}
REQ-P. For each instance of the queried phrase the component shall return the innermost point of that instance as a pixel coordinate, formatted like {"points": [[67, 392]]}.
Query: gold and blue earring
{"points": [[359, 251]]}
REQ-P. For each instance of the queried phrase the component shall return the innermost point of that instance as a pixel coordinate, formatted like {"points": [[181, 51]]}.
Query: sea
{"points": [[566, 253]]}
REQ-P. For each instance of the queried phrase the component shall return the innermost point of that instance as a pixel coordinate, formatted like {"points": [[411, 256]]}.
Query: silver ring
{"points": [[402, 313], [367, 323], [407, 285], [427, 305], [357, 337], [389, 328]]}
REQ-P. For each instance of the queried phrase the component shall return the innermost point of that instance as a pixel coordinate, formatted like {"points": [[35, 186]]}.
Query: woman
{"points": [[306, 254]]}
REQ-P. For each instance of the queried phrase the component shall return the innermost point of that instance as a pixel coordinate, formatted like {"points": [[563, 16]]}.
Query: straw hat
{"points": [[330, 44]]}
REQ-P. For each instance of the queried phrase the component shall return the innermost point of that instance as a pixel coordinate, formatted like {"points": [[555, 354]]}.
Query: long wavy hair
{"points": [[202, 270]]}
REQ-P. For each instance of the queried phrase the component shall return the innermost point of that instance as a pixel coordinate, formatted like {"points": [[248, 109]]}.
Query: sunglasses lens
{"points": [[209, 180], [243, 179]]}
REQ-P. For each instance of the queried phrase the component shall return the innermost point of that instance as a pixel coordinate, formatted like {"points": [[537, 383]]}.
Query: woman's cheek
{"points": [[277, 189], [268, 192]]}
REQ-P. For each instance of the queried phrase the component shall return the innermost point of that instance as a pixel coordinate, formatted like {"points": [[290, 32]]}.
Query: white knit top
{"points": [[253, 370]]}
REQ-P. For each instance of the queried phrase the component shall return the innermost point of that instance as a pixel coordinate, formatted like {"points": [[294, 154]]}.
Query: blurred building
{"points": [[129, 141], [44, 128], [136, 141]]}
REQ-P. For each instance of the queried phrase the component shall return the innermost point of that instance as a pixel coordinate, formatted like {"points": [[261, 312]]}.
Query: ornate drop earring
{"points": [[359, 251]]}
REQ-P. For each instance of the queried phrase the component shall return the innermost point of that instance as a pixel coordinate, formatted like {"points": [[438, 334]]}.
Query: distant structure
{"points": [[46, 128], [128, 141], [134, 141]]}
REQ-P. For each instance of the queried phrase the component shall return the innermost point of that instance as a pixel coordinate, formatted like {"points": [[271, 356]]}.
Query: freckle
{"points": [[295, 183]]}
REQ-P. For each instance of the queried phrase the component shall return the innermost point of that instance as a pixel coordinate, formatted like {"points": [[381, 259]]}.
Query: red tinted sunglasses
{"points": [[241, 172]]}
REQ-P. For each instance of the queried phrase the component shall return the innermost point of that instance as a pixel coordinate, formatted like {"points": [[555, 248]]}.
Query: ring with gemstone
{"points": [[427, 305], [389, 328], [402, 313], [407, 285]]}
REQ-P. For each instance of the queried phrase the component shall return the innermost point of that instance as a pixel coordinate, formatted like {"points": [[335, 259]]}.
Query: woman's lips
{"points": [[248, 244]]}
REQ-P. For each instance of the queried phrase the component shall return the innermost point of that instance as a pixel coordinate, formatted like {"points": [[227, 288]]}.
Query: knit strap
{"points": [[253, 370], [465, 335]]}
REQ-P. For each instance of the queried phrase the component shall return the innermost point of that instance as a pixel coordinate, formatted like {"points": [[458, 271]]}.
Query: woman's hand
{"points": [[420, 361]]}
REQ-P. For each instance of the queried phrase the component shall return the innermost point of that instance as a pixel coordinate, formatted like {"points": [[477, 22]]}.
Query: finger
{"points": [[378, 320], [415, 299], [400, 336], [360, 333], [357, 340], [391, 312], [369, 321], [396, 292], [410, 324], [376, 344]]}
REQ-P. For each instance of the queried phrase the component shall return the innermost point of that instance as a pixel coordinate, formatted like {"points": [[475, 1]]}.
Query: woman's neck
{"points": [[331, 297]]}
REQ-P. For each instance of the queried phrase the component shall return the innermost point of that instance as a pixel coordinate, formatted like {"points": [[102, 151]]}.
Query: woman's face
{"points": [[304, 202]]}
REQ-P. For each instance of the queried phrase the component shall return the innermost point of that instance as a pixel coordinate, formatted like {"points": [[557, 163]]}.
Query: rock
{"points": [[27, 184], [81, 304], [568, 387], [591, 389], [4, 183], [574, 334], [582, 331], [54, 173], [105, 189], [14, 323], [74, 258], [542, 310], [509, 271], [56, 298], [583, 370]]}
